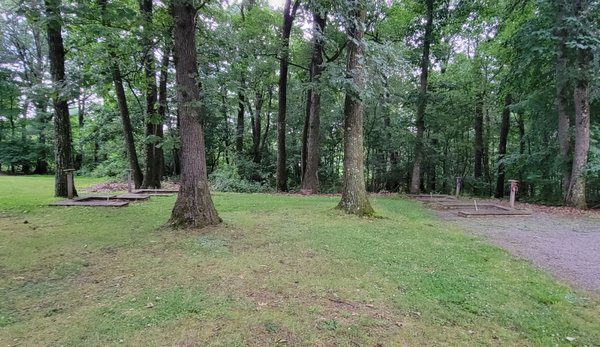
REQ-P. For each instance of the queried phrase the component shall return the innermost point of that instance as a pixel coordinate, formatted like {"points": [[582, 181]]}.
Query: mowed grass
{"points": [[281, 270]]}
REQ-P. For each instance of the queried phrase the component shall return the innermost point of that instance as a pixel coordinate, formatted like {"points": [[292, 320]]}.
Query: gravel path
{"points": [[565, 244]]}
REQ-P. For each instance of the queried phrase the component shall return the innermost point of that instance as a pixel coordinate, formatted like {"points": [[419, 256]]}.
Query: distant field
{"points": [[281, 270]]}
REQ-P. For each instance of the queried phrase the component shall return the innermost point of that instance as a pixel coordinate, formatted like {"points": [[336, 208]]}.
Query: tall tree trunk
{"points": [[392, 181], [486, 153], [176, 151], [305, 130], [134, 164], [239, 135], [562, 96], [521, 125], [152, 167], [117, 78], [162, 103], [41, 114], [194, 206], [445, 165], [478, 145], [81, 98], [226, 141], [310, 174], [288, 18], [263, 146], [62, 123], [504, 128], [256, 127], [432, 169], [576, 195], [354, 193], [415, 184]]}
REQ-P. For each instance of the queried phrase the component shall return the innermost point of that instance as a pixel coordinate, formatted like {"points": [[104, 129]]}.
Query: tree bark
{"points": [[521, 125], [223, 110], [576, 196], [152, 167], [354, 193], [310, 172], [162, 102], [194, 206], [81, 98], [62, 123], [134, 164], [415, 185], [392, 180], [478, 145], [263, 146], [562, 96], [256, 127], [117, 78], [239, 135], [504, 128], [305, 130], [288, 18], [432, 169]]}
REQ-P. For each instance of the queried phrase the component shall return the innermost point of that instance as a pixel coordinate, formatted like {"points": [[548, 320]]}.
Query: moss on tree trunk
{"points": [[62, 124], [354, 193]]}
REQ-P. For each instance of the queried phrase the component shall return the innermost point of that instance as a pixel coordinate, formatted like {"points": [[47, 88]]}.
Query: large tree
{"points": [[312, 123], [504, 128], [562, 96], [194, 206], [117, 78], [354, 193], [289, 13], [415, 183], [152, 169], [576, 196], [62, 123]]}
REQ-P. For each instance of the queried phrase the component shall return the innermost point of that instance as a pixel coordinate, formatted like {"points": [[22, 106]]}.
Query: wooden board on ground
{"points": [[494, 212], [419, 196], [469, 206], [156, 192], [95, 196], [91, 201], [133, 197]]}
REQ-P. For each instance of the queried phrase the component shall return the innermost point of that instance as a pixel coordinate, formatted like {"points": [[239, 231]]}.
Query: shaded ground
{"points": [[282, 270], [562, 241]]}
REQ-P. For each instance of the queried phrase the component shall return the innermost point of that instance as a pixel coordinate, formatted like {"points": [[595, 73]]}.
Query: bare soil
{"points": [[562, 241]]}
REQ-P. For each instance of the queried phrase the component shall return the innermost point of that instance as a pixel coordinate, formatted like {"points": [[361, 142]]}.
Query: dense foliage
{"points": [[485, 57]]}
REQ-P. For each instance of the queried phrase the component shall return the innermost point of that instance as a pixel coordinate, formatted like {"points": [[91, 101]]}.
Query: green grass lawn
{"points": [[281, 270]]}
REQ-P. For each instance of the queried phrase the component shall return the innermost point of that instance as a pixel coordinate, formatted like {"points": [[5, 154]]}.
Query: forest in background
{"points": [[484, 90]]}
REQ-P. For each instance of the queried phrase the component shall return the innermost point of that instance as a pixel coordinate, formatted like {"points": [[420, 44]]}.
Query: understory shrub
{"points": [[226, 179]]}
